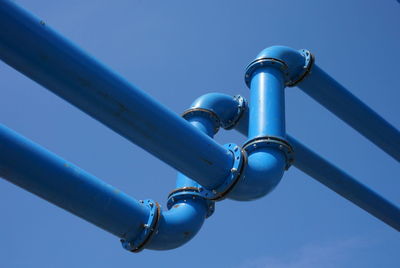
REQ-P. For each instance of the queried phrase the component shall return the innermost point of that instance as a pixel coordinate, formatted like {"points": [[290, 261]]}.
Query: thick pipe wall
{"points": [[33, 48], [42, 173], [337, 99]]}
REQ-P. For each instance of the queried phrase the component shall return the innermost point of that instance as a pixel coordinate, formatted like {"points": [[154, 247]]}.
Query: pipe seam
{"points": [[294, 67], [185, 193], [237, 171], [137, 244], [272, 142]]}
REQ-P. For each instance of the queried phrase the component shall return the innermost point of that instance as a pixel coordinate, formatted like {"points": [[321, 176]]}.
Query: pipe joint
{"points": [[189, 193], [241, 108], [294, 64], [224, 110], [137, 243], [271, 142], [200, 112], [235, 175]]}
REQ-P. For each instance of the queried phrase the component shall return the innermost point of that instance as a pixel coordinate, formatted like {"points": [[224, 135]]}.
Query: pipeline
{"points": [[208, 171]]}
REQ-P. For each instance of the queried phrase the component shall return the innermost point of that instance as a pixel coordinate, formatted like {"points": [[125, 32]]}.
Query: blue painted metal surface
{"points": [[179, 224], [345, 185], [338, 181], [226, 108], [35, 169], [34, 49], [265, 166], [30, 46], [333, 96], [267, 104], [60, 182]]}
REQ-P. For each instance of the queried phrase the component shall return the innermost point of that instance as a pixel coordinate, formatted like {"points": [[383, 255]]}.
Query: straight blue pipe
{"points": [[267, 104], [333, 96], [345, 185], [337, 180], [56, 180], [33, 48]]}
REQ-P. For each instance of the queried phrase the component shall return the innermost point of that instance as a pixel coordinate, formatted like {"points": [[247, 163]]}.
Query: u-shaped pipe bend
{"points": [[265, 164], [267, 153]]}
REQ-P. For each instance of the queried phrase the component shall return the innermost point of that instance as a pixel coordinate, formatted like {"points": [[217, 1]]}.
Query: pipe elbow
{"points": [[227, 109], [264, 171], [295, 64], [179, 224]]}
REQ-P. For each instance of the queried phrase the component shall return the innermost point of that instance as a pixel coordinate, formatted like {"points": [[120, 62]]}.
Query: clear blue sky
{"points": [[177, 51]]}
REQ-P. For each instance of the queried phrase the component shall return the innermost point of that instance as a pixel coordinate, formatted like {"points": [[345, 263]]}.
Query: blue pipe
{"points": [[33, 48], [265, 166], [35, 169], [56, 180], [345, 185], [187, 211], [267, 104], [337, 180], [179, 224], [333, 96]]}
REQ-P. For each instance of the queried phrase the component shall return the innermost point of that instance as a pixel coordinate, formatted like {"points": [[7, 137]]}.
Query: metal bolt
{"points": [[151, 204], [235, 149], [234, 170], [146, 226]]}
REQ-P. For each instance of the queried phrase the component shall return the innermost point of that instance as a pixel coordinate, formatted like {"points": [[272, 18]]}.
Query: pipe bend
{"points": [[228, 109], [179, 224], [264, 170], [294, 64], [265, 165]]}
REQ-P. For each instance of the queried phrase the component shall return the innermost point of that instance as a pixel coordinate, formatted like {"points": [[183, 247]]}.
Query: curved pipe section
{"points": [[188, 211], [337, 180], [60, 182], [265, 166], [227, 109], [179, 224]]}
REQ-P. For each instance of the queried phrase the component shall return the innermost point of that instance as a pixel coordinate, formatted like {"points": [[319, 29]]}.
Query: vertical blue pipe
{"points": [[329, 93], [42, 173], [267, 104]]}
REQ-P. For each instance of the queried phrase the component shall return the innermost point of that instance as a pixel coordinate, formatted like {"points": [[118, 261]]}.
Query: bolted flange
{"points": [[272, 142], [136, 244], [294, 64], [203, 113], [189, 193], [242, 106], [236, 172]]}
